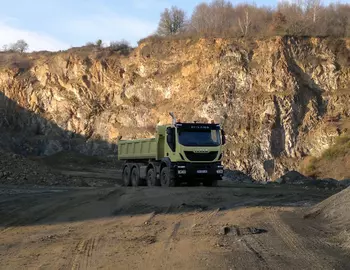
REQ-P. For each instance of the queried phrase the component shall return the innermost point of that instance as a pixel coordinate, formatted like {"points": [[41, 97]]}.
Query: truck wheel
{"points": [[152, 178], [126, 176], [167, 178], [135, 177]]}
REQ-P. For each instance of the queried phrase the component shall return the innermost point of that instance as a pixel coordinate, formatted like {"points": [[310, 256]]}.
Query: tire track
{"points": [[258, 254], [84, 253], [293, 242], [172, 235]]}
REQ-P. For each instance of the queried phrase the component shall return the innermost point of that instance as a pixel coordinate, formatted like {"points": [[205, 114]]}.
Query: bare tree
{"points": [[313, 7], [171, 21], [244, 23], [216, 18], [292, 17], [200, 21], [20, 46]]}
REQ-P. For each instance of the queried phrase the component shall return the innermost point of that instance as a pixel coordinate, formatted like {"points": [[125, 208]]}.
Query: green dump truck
{"points": [[180, 152]]}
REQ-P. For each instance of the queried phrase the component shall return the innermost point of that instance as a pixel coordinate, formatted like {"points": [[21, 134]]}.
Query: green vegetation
{"points": [[334, 162], [341, 148]]}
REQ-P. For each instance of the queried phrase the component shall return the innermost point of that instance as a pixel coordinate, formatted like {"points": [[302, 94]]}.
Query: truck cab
{"points": [[195, 150]]}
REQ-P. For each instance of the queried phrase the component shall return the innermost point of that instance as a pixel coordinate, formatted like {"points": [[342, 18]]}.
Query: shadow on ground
{"points": [[31, 206]]}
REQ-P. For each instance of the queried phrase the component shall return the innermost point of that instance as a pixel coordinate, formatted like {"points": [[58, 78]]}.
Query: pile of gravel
{"points": [[17, 170], [296, 178], [335, 211]]}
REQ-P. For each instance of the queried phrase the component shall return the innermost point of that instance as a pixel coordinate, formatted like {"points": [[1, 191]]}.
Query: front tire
{"points": [[167, 178]]}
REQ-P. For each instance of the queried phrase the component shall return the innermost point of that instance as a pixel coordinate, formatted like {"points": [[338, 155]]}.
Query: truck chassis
{"points": [[169, 174]]}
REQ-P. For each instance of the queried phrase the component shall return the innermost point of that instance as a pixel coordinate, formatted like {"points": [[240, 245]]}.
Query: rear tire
{"points": [[167, 178], [126, 176], [135, 177]]}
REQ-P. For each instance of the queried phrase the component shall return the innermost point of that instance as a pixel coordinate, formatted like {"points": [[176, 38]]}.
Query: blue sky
{"points": [[60, 24]]}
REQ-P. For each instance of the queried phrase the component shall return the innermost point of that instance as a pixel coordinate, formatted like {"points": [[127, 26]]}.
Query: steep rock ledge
{"points": [[279, 99]]}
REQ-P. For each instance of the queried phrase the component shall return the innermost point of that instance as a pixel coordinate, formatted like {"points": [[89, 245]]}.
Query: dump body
{"points": [[138, 149]]}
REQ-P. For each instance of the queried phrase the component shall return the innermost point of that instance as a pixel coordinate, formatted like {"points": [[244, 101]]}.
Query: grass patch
{"points": [[333, 163], [339, 149]]}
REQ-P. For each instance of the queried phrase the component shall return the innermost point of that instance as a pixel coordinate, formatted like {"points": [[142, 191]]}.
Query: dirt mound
{"points": [[17, 170], [335, 210]]}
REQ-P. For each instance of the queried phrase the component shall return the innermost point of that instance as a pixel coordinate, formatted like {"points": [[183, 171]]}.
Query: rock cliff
{"points": [[280, 99]]}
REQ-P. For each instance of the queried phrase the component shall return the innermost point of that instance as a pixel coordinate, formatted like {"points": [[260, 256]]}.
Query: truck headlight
{"points": [[181, 167], [219, 171], [181, 171]]}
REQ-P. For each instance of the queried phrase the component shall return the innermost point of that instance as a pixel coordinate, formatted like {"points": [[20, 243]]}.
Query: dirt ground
{"points": [[226, 227]]}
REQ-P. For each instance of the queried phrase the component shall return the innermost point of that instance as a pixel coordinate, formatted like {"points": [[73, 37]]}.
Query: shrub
{"points": [[122, 47]]}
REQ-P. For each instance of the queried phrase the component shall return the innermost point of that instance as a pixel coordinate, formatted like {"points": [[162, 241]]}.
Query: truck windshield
{"points": [[199, 137]]}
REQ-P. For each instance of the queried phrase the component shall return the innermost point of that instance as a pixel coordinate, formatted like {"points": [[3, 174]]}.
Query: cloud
{"points": [[111, 26], [36, 41]]}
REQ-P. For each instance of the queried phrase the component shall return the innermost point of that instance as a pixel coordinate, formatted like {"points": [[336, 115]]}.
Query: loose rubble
{"points": [[296, 178], [18, 170], [238, 176]]}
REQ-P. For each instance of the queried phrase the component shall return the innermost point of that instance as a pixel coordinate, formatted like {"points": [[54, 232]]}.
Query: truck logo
{"points": [[201, 151]]}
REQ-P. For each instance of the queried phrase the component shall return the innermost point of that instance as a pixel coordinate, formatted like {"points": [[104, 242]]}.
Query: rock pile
{"points": [[296, 178], [237, 176], [17, 170]]}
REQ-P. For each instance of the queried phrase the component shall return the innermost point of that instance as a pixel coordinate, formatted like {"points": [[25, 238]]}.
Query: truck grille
{"points": [[201, 156]]}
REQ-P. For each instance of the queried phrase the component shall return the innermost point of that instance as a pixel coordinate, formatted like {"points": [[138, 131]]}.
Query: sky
{"points": [[60, 24]]}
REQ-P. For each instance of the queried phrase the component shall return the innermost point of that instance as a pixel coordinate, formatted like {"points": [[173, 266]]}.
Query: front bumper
{"points": [[199, 170]]}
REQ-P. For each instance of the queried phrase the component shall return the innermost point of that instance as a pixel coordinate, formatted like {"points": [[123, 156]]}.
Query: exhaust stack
{"points": [[173, 118]]}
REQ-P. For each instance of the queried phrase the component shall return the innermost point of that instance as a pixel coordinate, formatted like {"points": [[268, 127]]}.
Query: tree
{"points": [[171, 21], [214, 19], [278, 23], [99, 43], [244, 23], [313, 7], [20, 46]]}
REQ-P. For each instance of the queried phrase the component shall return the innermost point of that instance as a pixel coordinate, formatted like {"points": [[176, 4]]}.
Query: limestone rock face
{"points": [[274, 97]]}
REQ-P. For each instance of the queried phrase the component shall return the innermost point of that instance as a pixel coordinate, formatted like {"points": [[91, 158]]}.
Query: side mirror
{"points": [[223, 138]]}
